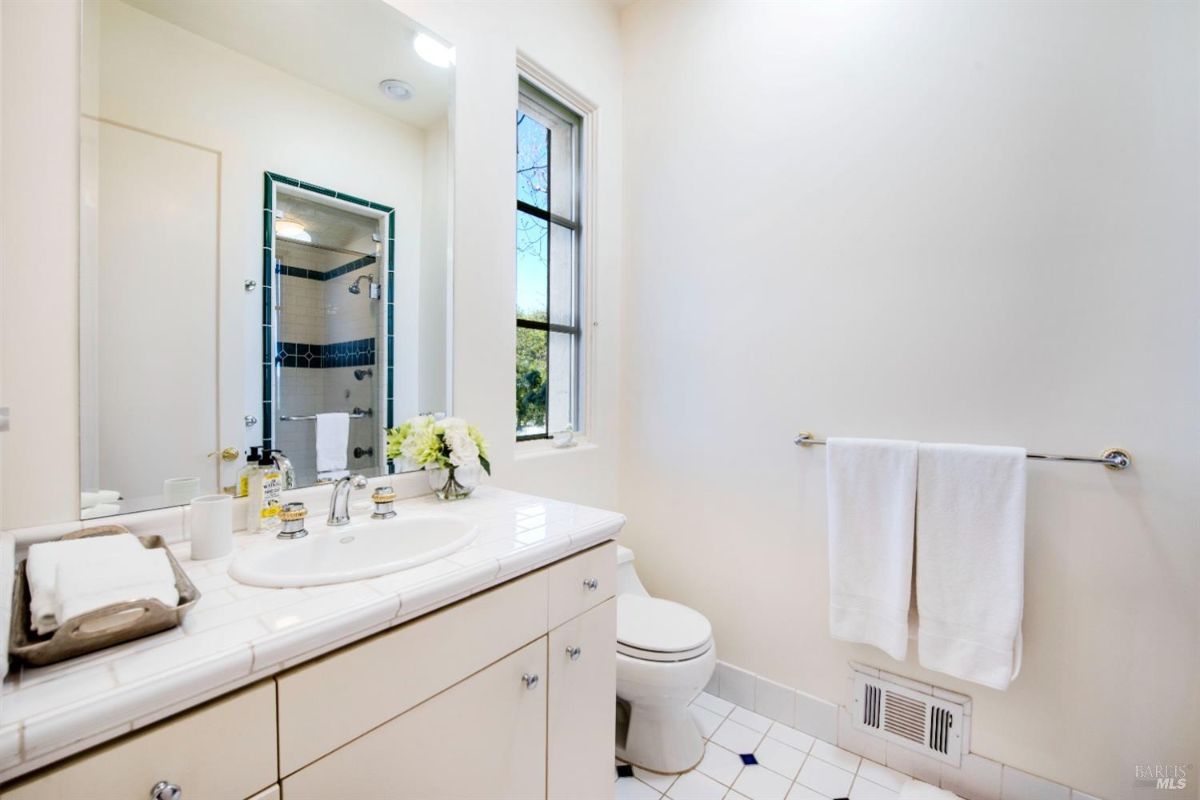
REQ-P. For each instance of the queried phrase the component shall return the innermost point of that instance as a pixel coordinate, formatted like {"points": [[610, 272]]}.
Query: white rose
{"points": [[463, 451]]}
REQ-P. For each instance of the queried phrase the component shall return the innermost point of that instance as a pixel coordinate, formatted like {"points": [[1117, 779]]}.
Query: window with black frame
{"points": [[548, 266]]}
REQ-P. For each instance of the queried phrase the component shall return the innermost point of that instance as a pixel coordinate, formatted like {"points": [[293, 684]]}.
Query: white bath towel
{"points": [[918, 790], [333, 434], [89, 499], [100, 510], [871, 487], [971, 561], [84, 586], [41, 570]]}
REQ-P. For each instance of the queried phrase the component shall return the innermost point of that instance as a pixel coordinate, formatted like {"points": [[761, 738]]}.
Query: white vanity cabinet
{"points": [[507, 694], [193, 753]]}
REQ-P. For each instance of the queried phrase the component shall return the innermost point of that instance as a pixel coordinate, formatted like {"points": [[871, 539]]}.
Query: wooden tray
{"points": [[104, 627]]}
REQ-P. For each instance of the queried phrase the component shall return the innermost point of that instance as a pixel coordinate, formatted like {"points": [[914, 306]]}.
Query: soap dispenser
{"points": [[265, 494], [243, 483]]}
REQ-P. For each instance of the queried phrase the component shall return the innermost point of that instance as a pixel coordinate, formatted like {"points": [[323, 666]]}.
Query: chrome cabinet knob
{"points": [[574, 652], [591, 584], [530, 680], [165, 790]]}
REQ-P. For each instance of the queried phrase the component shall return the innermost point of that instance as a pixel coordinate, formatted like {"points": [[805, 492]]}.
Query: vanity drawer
{"points": [[582, 582], [327, 703], [195, 751]]}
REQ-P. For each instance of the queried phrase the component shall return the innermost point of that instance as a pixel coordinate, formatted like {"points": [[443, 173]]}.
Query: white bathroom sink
{"points": [[360, 550]]}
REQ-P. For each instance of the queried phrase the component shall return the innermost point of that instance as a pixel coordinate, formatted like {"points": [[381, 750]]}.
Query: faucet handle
{"points": [[358, 481], [383, 497]]}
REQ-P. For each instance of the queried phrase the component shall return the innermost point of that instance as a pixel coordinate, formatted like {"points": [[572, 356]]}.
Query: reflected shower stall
{"points": [[327, 321]]}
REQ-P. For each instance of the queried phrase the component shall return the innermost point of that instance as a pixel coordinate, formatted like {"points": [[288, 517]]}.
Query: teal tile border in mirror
{"points": [[268, 290]]}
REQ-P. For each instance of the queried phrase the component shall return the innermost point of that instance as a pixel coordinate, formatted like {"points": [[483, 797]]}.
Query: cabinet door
{"points": [[225, 749], [482, 738], [328, 702], [583, 691]]}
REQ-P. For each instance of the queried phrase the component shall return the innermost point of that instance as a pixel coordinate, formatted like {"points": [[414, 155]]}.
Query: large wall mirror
{"points": [[264, 261]]}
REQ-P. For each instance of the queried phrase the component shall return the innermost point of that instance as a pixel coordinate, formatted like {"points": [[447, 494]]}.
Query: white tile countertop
{"points": [[239, 634]]}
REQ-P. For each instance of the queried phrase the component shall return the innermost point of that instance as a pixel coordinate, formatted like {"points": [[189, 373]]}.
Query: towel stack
{"points": [[102, 503], [70, 578]]}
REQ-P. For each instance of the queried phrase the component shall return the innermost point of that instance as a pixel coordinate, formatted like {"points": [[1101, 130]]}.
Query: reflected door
{"points": [[148, 308]]}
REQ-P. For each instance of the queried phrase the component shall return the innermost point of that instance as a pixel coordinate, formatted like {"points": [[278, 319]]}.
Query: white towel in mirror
{"points": [[333, 436]]}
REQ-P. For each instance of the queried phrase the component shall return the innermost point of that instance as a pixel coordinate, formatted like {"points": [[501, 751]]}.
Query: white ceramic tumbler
{"points": [[180, 491], [211, 526]]}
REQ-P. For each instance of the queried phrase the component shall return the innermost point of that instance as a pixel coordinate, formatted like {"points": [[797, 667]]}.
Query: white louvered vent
{"points": [[919, 721]]}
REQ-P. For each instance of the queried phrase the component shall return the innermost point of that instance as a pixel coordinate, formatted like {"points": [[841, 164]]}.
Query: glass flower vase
{"points": [[452, 483]]}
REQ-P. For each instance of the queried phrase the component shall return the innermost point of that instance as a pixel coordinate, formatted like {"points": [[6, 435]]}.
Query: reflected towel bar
{"points": [[357, 413], [1114, 457]]}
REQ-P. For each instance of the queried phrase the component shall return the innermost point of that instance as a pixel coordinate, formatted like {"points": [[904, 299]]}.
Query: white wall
{"points": [[39, 212], [578, 41], [953, 222]]}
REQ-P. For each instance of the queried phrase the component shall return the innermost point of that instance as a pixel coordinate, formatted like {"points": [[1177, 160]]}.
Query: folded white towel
{"points": [[333, 435], [871, 487], [971, 561], [41, 570], [78, 577], [117, 578], [89, 499], [100, 510], [917, 790]]}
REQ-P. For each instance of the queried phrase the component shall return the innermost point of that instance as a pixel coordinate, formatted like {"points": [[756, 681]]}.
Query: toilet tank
{"points": [[627, 577]]}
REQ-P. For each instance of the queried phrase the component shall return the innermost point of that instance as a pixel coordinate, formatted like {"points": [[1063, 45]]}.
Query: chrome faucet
{"points": [[339, 503]]}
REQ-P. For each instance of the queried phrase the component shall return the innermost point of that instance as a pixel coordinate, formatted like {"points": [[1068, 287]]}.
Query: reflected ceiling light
{"points": [[433, 51], [395, 89], [290, 229]]}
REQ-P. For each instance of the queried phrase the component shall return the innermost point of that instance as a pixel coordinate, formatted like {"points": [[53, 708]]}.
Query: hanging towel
{"points": [[971, 561], [41, 570], [871, 487], [333, 434]]}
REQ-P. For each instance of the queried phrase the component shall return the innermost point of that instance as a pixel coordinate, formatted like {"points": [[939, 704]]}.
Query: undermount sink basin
{"points": [[360, 550]]}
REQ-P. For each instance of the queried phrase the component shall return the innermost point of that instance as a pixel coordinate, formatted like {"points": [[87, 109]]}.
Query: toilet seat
{"points": [[653, 629]]}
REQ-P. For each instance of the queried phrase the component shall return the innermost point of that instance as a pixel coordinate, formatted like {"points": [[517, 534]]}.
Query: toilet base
{"points": [[663, 739]]}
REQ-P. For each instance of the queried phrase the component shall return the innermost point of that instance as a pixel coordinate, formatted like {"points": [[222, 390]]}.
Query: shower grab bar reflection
{"points": [[357, 413], [1114, 457]]}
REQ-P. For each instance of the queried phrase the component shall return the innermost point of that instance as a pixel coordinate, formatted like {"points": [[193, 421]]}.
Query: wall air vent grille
{"points": [[919, 721]]}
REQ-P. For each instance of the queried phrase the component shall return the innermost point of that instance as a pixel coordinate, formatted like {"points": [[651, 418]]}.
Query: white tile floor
{"points": [[791, 765]]}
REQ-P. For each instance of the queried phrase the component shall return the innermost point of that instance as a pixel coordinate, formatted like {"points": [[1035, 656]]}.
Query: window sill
{"points": [[539, 448]]}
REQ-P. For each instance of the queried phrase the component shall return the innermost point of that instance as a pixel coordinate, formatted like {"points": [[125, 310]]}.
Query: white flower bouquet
{"points": [[449, 450]]}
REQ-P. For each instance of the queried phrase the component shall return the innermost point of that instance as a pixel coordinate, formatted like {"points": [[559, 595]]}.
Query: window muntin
{"points": [[548, 266]]}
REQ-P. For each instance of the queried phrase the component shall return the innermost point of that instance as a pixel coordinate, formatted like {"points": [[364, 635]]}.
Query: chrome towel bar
{"points": [[357, 413], [1114, 457]]}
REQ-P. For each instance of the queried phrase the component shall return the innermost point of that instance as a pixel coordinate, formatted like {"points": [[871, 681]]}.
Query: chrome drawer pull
{"points": [[530, 680], [591, 584], [574, 652]]}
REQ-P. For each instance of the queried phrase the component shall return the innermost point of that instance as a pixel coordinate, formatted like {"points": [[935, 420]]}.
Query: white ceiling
{"points": [[329, 226], [345, 46]]}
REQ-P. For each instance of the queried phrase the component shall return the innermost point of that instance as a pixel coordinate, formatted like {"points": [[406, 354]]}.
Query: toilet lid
{"points": [[653, 625]]}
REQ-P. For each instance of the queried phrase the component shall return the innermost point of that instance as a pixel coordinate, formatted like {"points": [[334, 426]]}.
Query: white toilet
{"points": [[665, 656]]}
